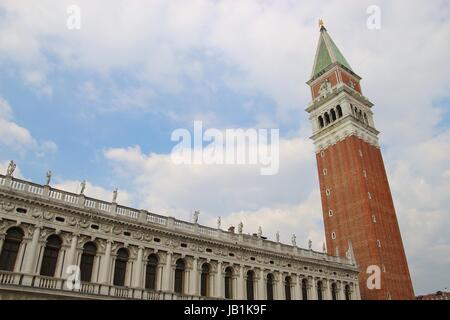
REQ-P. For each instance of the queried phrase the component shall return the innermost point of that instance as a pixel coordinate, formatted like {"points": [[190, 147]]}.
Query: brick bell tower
{"points": [[357, 205]]}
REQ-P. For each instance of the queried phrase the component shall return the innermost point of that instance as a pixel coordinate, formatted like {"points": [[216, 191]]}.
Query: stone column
{"points": [[261, 294], [219, 281], [280, 294], [106, 264], [62, 257], [159, 276], [137, 273], [71, 255], [298, 288], [128, 272], [326, 289], [313, 289], [240, 283], [357, 293], [166, 276], [2, 239], [31, 253], [193, 278], [20, 255], [95, 274]]}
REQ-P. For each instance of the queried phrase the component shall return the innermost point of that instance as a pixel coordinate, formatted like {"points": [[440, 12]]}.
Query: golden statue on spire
{"points": [[321, 24]]}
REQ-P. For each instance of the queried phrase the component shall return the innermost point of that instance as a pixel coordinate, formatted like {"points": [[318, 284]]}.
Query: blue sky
{"points": [[100, 104]]}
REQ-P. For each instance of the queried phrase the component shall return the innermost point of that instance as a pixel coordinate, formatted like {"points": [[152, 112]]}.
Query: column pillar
{"points": [[129, 271], [219, 281], [280, 294], [341, 291], [240, 283], [313, 289], [2, 239], [357, 292], [166, 277], [193, 278], [137, 273], [106, 264], [20, 255], [159, 276], [62, 257], [326, 289], [298, 288], [31, 252], [71, 255], [261, 291]]}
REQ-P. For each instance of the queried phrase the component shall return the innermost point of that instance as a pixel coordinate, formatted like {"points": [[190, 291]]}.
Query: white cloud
{"points": [[18, 138]]}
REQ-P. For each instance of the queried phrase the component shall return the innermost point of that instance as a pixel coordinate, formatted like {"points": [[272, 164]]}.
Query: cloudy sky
{"points": [[101, 102]]}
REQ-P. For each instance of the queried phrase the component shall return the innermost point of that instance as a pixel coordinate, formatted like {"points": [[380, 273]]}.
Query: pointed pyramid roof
{"points": [[327, 53]]}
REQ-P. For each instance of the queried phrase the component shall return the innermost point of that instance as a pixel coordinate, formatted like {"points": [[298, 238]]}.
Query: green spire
{"points": [[327, 53]]}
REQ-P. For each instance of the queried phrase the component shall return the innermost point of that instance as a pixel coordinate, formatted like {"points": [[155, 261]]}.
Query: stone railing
{"points": [[87, 290], [141, 216]]}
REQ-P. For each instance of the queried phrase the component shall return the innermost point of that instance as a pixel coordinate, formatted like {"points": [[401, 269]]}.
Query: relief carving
{"points": [[84, 223], [8, 206], [72, 221], [36, 212], [48, 215]]}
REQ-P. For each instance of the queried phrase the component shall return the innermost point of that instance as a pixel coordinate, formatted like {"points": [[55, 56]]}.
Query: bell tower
{"points": [[357, 204]]}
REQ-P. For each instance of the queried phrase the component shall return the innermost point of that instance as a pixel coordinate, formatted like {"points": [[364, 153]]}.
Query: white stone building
{"points": [[125, 253]]}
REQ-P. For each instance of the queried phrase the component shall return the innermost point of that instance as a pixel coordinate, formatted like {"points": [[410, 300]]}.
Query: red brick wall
{"points": [[346, 79], [352, 215]]}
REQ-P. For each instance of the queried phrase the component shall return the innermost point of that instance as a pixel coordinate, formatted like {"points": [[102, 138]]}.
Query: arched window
{"points": [[327, 118], [10, 249], [319, 290], [339, 111], [87, 261], [269, 286], [228, 283], [305, 289], [320, 122], [360, 116], [204, 279], [365, 118], [333, 291], [179, 276], [287, 288], [120, 267], [347, 292], [150, 272], [250, 286], [333, 115], [351, 107], [50, 257]]}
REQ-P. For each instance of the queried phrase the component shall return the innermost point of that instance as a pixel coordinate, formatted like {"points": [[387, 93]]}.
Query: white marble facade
{"points": [[212, 260]]}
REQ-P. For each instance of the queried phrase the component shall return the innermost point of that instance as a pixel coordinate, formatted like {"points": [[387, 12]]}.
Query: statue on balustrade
{"points": [[83, 186], [49, 177], [11, 168], [195, 216], [115, 195]]}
